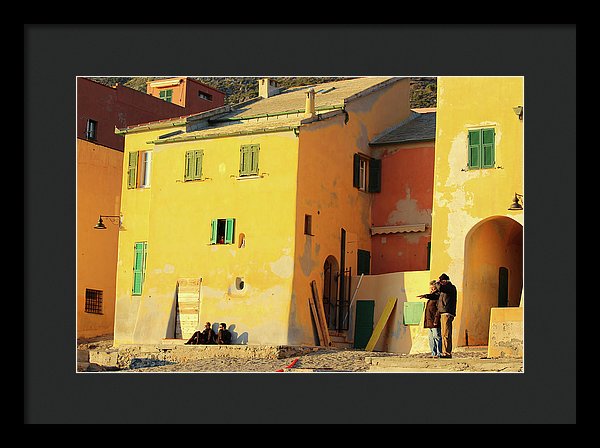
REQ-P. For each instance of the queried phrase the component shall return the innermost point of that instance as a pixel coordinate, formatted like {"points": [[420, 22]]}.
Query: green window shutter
{"points": [[356, 171], [374, 176], [213, 231], [229, 224], [198, 164], [487, 148], [189, 156], [364, 262], [474, 148], [249, 159], [139, 264], [243, 158], [132, 170], [254, 149]]}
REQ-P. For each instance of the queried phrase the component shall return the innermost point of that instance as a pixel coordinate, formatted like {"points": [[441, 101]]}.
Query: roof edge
{"points": [[374, 88]]}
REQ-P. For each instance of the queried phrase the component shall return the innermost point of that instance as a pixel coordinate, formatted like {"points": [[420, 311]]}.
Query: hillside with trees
{"points": [[238, 89]]}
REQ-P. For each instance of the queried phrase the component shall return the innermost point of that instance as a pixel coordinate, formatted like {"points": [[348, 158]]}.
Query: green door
{"points": [[363, 324], [364, 262]]}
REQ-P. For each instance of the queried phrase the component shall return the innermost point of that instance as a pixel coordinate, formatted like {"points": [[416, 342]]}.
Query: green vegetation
{"points": [[238, 89]]}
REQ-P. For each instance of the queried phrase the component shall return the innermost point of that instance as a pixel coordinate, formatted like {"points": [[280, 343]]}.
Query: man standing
{"points": [[447, 309]]}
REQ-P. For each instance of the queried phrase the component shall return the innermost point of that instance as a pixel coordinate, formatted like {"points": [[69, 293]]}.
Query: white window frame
{"points": [[363, 177], [146, 168]]}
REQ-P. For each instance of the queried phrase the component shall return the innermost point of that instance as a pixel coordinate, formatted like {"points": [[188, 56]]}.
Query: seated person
{"points": [[206, 336], [224, 335]]}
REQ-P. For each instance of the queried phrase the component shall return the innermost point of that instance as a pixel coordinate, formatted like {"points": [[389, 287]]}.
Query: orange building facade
{"points": [[186, 92]]}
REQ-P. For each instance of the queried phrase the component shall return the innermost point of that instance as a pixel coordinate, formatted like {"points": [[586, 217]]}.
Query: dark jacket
{"points": [[432, 315], [447, 300], [224, 337], [208, 336]]}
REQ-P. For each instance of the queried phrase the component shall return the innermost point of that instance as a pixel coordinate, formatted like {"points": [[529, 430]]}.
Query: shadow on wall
{"points": [[236, 338]]}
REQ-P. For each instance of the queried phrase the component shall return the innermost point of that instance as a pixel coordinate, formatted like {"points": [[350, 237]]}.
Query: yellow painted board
{"points": [[385, 315]]}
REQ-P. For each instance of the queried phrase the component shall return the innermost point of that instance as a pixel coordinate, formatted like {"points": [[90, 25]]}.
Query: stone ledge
{"points": [[125, 355], [401, 364]]}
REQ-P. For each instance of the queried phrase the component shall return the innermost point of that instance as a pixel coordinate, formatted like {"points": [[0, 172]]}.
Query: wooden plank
{"points": [[321, 311], [315, 315], [385, 315], [188, 306]]}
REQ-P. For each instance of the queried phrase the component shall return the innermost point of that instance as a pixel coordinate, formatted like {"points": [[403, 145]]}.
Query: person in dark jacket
{"points": [[223, 335], [447, 309], [431, 320], [206, 336]]}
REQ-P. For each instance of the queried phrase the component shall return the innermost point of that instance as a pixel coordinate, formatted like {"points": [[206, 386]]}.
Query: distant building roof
{"points": [[283, 110], [419, 126]]}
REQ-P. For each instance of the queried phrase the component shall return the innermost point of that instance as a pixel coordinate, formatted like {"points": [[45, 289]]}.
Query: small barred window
{"points": [[93, 301]]}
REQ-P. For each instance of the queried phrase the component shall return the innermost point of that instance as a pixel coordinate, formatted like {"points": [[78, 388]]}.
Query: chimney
{"points": [[267, 87], [310, 102]]}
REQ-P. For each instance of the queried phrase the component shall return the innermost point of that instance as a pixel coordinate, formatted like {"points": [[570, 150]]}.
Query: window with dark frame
{"points": [[367, 173], [204, 95], [93, 301], [222, 231], [166, 95], [308, 225], [91, 129]]}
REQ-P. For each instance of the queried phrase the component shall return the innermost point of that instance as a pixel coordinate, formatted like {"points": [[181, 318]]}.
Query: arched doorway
{"points": [[331, 274], [492, 276]]}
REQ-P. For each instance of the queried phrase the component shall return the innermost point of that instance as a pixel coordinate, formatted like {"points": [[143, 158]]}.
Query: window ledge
{"points": [[253, 176]]}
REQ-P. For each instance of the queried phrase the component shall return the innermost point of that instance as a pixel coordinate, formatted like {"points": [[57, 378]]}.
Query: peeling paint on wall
{"points": [[284, 267], [307, 259]]}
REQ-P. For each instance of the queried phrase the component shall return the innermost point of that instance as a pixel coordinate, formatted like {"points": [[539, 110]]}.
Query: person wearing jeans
{"points": [[431, 320]]}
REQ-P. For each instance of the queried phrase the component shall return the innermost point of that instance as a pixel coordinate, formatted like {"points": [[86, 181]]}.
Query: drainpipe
{"points": [[353, 297]]}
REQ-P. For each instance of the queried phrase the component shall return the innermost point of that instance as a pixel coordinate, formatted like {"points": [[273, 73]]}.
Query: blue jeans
{"points": [[435, 341]]}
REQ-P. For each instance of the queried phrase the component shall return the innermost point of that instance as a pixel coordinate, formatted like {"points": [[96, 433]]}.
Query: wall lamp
{"points": [[515, 204], [519, 111], [100, 225]]}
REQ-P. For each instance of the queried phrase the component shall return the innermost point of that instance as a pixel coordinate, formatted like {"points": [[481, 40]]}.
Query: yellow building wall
{"points": [[98, 192], [506, 332], [462, 197], [309, 173], [135, 207], [326, 192], [175, 218]]}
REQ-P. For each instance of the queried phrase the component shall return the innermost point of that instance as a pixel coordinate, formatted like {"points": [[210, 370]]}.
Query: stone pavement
{"points": [[173, 356]]}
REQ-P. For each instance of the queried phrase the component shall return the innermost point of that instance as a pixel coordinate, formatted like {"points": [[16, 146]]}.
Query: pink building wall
{"points": [[406, 198]]}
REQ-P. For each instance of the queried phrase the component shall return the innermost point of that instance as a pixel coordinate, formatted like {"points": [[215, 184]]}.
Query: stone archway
{"points": [[492, 276]]}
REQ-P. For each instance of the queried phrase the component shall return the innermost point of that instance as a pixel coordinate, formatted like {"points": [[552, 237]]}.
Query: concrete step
{"points": [[339, 341]]}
